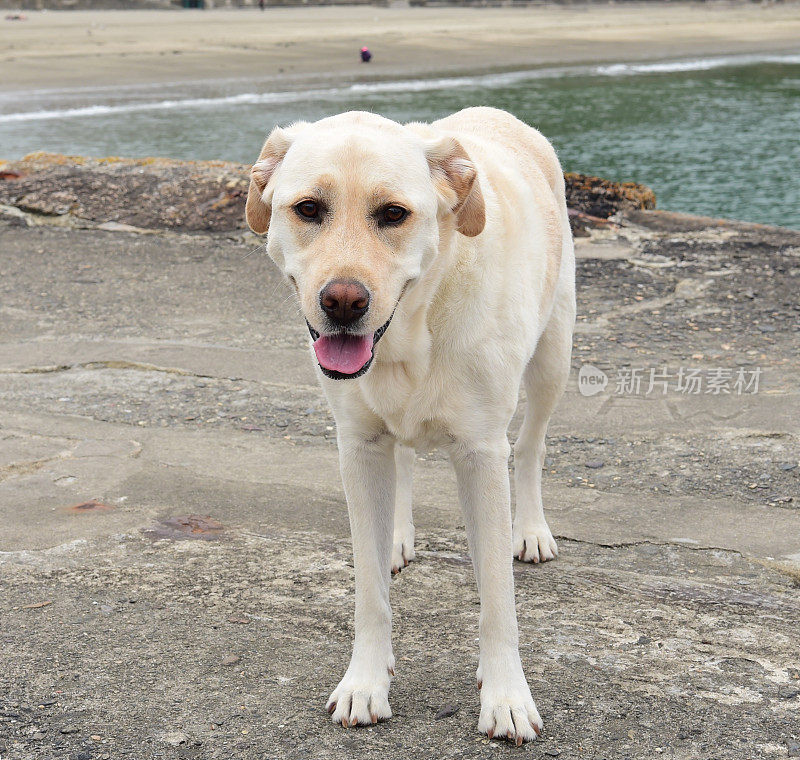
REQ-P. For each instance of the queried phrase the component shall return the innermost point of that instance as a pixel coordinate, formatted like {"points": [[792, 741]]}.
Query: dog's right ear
{"points": [[259, 199]]}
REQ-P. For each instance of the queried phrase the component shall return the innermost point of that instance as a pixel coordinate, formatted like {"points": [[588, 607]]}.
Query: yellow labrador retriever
{"points": [[434, 266]]}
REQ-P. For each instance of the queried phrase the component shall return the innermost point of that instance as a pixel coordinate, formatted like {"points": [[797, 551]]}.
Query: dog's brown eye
{"points": [[308, 209], [393, 215]]}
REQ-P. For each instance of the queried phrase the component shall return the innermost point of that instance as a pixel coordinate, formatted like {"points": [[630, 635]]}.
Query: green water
{"points": [[723, 141]]}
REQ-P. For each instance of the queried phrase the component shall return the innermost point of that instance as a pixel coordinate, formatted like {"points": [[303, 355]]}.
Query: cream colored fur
{"points": [[480, 278]]}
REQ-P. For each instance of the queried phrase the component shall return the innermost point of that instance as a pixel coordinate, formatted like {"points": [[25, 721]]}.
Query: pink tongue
{"points": [[343, 353]]}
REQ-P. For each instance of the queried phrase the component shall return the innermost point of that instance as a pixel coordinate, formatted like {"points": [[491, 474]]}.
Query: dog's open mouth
{"points": [[343, 355]]}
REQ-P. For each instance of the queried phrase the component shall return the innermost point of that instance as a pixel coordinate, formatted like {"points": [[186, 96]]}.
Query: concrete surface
{"points": [[154, 377]]}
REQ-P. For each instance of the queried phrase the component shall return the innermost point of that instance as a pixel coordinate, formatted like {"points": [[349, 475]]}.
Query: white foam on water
{"points": [[695, 64], [286, 96], [411, 85], [161, 105]]}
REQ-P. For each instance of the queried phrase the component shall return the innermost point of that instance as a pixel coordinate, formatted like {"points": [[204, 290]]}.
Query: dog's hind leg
{"points": [[544, 381], [403, 544]]}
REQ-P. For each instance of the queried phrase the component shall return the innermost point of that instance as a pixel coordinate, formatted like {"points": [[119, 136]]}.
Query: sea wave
{"points": [[693, 64], [387, 87], [244, 98]]}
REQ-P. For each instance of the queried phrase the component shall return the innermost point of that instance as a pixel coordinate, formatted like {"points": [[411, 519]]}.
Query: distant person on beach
{"points": [[366, 56], [261, 4]]}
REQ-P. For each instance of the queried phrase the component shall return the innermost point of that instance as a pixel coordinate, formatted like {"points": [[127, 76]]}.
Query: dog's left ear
{"points": [[457, 183], [259, 207]]}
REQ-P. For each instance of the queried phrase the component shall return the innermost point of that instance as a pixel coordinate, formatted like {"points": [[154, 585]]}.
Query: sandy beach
{"points": [[95, 48]]}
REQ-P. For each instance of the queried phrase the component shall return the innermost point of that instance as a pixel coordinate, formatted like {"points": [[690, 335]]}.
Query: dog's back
{"points": [[522, 142]]}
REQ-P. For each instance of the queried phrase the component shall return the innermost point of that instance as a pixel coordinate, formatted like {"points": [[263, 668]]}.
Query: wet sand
{"points": [[291, 45]]}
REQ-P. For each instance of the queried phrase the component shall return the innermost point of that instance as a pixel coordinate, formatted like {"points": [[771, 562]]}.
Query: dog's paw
{"points": [[509, 712], [361, 699], [534, 543], [403, 547]]}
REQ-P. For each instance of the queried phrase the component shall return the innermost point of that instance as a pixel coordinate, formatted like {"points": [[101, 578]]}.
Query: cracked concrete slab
{"points": [[167, 375]]}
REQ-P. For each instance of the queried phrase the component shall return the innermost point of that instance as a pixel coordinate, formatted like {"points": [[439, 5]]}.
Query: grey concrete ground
{"points": [[164, 375]]}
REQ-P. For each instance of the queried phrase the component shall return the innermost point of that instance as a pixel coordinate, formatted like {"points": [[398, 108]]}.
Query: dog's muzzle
{"points": [[340, 341]]}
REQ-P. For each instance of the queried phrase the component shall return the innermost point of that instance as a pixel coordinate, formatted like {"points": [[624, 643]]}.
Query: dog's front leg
{"points": [[507, 708], [368, 474]]}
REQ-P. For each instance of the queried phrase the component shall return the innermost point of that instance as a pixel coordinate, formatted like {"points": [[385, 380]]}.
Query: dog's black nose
{"points": [[344, 301]]}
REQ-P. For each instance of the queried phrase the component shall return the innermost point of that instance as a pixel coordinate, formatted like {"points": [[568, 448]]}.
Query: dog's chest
{"points": [[415, 410]]}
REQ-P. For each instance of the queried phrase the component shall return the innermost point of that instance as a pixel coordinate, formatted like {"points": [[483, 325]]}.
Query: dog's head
{"points": [[356, 206]]}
